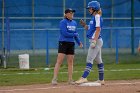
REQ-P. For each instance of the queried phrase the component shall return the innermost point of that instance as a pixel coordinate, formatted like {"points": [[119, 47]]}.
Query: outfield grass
{"points": [[40, 76], [127, 68]]}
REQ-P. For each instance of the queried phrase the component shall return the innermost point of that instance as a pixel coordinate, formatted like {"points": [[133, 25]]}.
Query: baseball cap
{"points": [[69, 10]]}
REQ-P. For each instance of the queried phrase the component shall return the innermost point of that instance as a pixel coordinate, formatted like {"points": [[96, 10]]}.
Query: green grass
{"points": [[40, 76], [37, 75]]}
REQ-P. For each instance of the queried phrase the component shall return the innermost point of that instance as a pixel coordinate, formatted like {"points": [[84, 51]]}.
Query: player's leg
{"points": [[92, 52], [70, 57], [70, 68], [60, 57], [100, 65], [59, 61]]}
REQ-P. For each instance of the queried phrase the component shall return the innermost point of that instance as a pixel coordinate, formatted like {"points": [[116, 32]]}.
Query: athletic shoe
{"points": [[71, 82], [54, 82], [81, 80], [100, 81]]}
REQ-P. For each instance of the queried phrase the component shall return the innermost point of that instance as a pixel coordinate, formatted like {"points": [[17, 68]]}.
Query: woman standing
{"points": [[68, 34], [95, 39]]}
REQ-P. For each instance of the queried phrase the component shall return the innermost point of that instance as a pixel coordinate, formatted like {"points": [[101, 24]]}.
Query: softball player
{"points": [[94, 36], [68, 34]]}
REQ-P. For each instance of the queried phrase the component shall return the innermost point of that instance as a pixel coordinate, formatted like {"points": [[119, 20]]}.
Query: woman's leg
{"points": [[90, 57], [70, 66], [59, 61], [100, 66], [92, 52]]}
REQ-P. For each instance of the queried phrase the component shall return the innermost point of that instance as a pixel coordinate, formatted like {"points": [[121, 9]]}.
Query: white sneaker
{"points": [[81, 80], [54, 82], [100, 81]]}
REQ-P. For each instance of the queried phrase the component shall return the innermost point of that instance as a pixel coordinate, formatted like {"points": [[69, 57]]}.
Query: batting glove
{"points": [[93, 43]]}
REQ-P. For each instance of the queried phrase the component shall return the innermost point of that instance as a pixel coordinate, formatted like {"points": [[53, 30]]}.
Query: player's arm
{"points": [[77, 39], [95, 37], [97, 31], [98, 28], [83, 23]]}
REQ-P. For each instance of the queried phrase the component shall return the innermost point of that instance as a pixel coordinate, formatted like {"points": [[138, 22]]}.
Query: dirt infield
{"points": [[118, 86]]}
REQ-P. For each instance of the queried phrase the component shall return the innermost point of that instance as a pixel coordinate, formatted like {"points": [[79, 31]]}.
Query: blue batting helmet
{"points": [[94, 4]]}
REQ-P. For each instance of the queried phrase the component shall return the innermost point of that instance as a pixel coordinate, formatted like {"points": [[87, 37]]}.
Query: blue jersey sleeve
{"points": [[77, 39], [64, 32]]}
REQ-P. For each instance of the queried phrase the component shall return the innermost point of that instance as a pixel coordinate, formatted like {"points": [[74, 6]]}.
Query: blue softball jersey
{"points": [[67, 30], [96, 21]]}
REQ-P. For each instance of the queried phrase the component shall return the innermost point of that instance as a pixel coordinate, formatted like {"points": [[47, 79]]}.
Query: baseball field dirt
{"points": [[117, 86]]}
